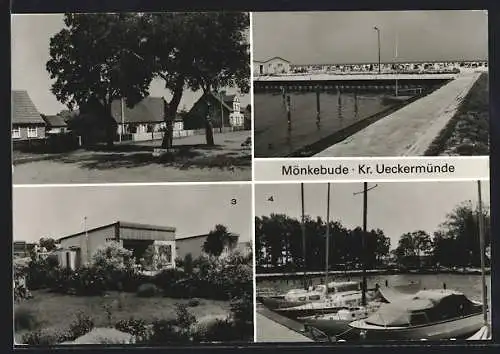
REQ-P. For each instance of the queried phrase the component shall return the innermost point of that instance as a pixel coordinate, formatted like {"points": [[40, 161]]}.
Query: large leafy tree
{"points": [[218, 239], [413, 245], [200, 51], [459, 235], [91, 63]]}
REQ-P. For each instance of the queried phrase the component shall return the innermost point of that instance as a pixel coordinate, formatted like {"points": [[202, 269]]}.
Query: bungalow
{"points": [[55, 124], [273, 66], [224, 110], [27, 123], [77, 249]]}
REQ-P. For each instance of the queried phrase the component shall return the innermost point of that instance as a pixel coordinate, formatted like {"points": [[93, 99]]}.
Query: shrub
{"points": [[188, 264], [166, 332], [166, 278], [217, 331], [193, 303], [45, 337], [25, 319], [89, 282], [135, 327], [81, 325], [185, 320], [147, 290]]}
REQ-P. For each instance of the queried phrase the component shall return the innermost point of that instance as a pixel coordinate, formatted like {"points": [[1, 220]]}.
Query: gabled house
{"points": [[224, 111], [273, 66], [55, 124], [143, 121], [27, 122]]}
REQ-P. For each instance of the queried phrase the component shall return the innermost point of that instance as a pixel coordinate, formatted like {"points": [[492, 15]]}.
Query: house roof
{"points": [[228, 104], [24, 110], [268, 60], [124, 224], [200, 236], [149, 110], [54, 121]]}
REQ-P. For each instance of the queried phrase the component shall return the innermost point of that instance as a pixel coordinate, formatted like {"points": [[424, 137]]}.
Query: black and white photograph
{"points": [[131, 97], [148, 265], [370, 83], [363, 262]]}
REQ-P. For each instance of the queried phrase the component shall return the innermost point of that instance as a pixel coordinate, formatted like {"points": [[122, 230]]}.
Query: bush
{"points": [[135, 327], [88, 282], [166, 332], [45, 337], [167, 278], [147, 290], [81, 325], [25, 319], [193, 303]]}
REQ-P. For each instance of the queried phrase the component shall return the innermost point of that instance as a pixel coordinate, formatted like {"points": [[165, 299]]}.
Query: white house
{"points": [[273, 66]]}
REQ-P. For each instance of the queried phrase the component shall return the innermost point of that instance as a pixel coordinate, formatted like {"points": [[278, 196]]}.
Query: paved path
{"points": [[271, 331], [410, 130]]}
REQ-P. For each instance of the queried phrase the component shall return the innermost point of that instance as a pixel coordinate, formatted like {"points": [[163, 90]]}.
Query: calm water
{"points": [[470, 285], [273, 138]]}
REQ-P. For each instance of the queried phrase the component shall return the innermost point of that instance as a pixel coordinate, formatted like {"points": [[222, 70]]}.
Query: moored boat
{"points": [[428, 315], [341, 295]]}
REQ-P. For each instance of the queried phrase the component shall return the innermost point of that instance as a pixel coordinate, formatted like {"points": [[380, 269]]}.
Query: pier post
{"points": [[318, 107], [386, 283], [444, 286], [288, 111]]}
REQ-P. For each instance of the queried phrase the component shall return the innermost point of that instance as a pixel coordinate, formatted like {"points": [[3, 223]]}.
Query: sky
{"points": [[349, 37], [394, 207], [193, 209], [30, 36]]}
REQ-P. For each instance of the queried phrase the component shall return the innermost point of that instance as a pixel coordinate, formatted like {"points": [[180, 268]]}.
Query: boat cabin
{"points": [[424, 308], [320, 291]]}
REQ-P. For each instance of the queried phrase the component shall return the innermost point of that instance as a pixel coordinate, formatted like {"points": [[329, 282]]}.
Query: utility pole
{"points": [[327, 234], [363, 239], [303, 234], [86, 239], [221, 113], [122, 105]]}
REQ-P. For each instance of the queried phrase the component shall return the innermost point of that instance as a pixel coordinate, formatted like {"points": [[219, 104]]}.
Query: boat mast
{"points": [[397, 64], [327, 234], [303, 234], [483, 249]]}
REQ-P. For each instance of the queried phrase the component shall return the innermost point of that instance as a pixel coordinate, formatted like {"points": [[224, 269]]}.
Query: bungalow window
{"points": [[32, 132], [16, 133]]}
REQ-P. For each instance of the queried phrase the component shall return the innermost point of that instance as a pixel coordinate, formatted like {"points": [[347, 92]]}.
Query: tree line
{"points": [[279, 244]]}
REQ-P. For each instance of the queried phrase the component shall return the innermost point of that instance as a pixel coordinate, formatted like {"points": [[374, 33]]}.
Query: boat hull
{"points": [[274, 303], [331, 328], [460, 328], [306, 312]]}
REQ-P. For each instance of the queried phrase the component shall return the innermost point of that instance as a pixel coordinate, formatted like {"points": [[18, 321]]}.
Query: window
{"points": [[16, 133], [32, 132]]}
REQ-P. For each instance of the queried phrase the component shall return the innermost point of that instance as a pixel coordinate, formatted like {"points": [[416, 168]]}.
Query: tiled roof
{"points": [[55, 121], [24, 110], [149, 110]]}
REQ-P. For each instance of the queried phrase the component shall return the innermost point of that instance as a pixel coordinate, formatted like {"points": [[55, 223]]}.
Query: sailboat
{"points": [[321, 298], [347, 299], [431, 314]]}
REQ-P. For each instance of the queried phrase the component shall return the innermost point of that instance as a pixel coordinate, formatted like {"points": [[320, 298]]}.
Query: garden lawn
{"points": [[58, 311]]}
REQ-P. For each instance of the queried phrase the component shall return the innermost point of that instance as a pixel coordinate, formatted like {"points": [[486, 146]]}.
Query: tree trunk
{"points": [[209, 131], [110, 127], [170, 112]]}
